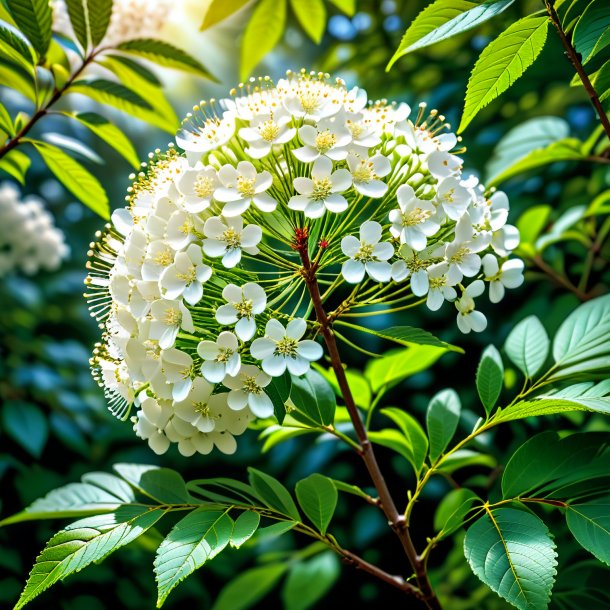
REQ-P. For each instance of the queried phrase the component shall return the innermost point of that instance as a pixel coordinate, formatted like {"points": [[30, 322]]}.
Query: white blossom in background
{"points": [[199, 283], [29, 240]]}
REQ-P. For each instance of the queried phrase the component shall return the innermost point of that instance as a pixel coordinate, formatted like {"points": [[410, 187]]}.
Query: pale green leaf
{"points": [[600, 80], [219, 10], [527, 346], [263, 32], [311, 16], [6, 123], [16, 164], [512, 552], [34, 19], [17, 49], [414, 436], [502, 62], [347, 6], [406, 335], [592, 32], [15, 78], [309, 581], [465, 458], [590, 525], [442, 419], [317, 496]]}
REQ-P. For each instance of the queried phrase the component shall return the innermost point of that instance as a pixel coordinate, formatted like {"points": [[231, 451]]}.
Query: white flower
{"points": [[412, 264], [228, 239], [423, 141], [442, 164], [321, 192], [328, 139], [242, 186], [463, 259], [283, 348], [197, 136], [197, 187], [468, 317], [182, 229], [310, 98], [415, 221], [505, 240], [221, 357], [364, 136], [440, 288], [178, 370], [453, 197], [265, 130], [367, 255], [168, 318], [366, 174], [243, 304], [159, 256], [510, 275], [185, 277], [247, 390], [150, 421], [200, 408]]}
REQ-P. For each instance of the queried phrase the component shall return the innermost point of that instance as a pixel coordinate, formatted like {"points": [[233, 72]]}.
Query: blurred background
{"points": [[54, 425]]}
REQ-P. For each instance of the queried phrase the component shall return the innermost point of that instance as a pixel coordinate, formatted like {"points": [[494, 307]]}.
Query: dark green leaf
{"points": [[79, 21], [309, 581], [99, 12], [313, 397], [490, 377], [111, 93], [590, 525], [513, 553], [17, 49], [317, 496], [244, 528], [34, 19], [135, 66], [442, 419], [592, 32], [278, 391], [273, 494], [161, 484]]}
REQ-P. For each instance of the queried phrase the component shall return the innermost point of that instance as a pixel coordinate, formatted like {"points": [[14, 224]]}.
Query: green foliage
{"points": [[502, 62], [592, 32], [527, 346], [442, 419], [219, 10], [160, 484], [79, 20], [313, 398], [453, 510], [273, 494], [590, 525], [311, 16], [317, 496], [26, 424], [410, 441], [494, 547], [298, 592], [490, 377], [33, 18], [408, 335], [16, 164], [278, 391], [100, 12]]}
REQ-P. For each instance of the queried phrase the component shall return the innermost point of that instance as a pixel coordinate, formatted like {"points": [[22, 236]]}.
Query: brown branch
{"points": [[559, 279], [574, 58], [395, 519]]}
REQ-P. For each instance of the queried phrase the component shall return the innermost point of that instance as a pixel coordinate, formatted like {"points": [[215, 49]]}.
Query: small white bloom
{"points": [[442, 164], [200, 409], [366, 174], [229, 238], [242, 186], [367, 255], [247, 389], [221, 357], [328, 138], [159, 256], [283, 348], [185, 277], [168, 318], [468, 318], [505, 240], [182, 229], [453, 197], [197, 186], [197, 137], [321, 192], [415, 265], [265, 130], [510, 275], [415, 221], [178, 370], [421, 141], [440, 287], [150, 421], [243, 304]]}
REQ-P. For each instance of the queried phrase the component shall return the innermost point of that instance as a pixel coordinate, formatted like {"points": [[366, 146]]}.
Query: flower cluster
{"points": [[29, 239], [199, 283]]}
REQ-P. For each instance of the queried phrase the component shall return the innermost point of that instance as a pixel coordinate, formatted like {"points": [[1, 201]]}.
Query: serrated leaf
{"points": [[453, 509], [164, 54], [112, 94], [195, 539], [249, 587], [414, 436], [512, 552], [298, 592], [16, 164], [83, 185], [99, 12], [79, 21], [273, 494], [262, 33], [314, 398], [109, 133], [34, 19], [244, 528], [312, 17], [592, 31], [219, 10], [84, 542], [527, 346], [442, 419], [490, 378], [161, 484], [590, 525], [317, 496], [502, 62]]}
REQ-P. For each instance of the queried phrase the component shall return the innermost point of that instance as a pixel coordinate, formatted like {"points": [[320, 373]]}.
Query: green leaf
{"points": [[358, 383], [34, 19], [278, 391], [531, 224], [513, 553], [590, 525], [15, 77], [244, 528], [354, 490], [583, 338], [164, 54], [347, 6], [546, 463], [84, 542], [399, 364], [99, 12], [429, 20], [72, 145], [275, 435], [465, 458], [313, 396], [26, 424], [502, 62], [16, 164], [219, 10], [317, 496], [527, 346], [161, 484], [263, 32], [490, 377], [112, 94], [132, 65], [409, 335], [195, 539], [79, 21], [530, 135], [75, 178], [592, 31], [249, 587], [600, 80], [109, 133], [273, 494], [453, 509], [442, 419], [312, 17], [309, 581], [17, 49], [416, 441]]}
